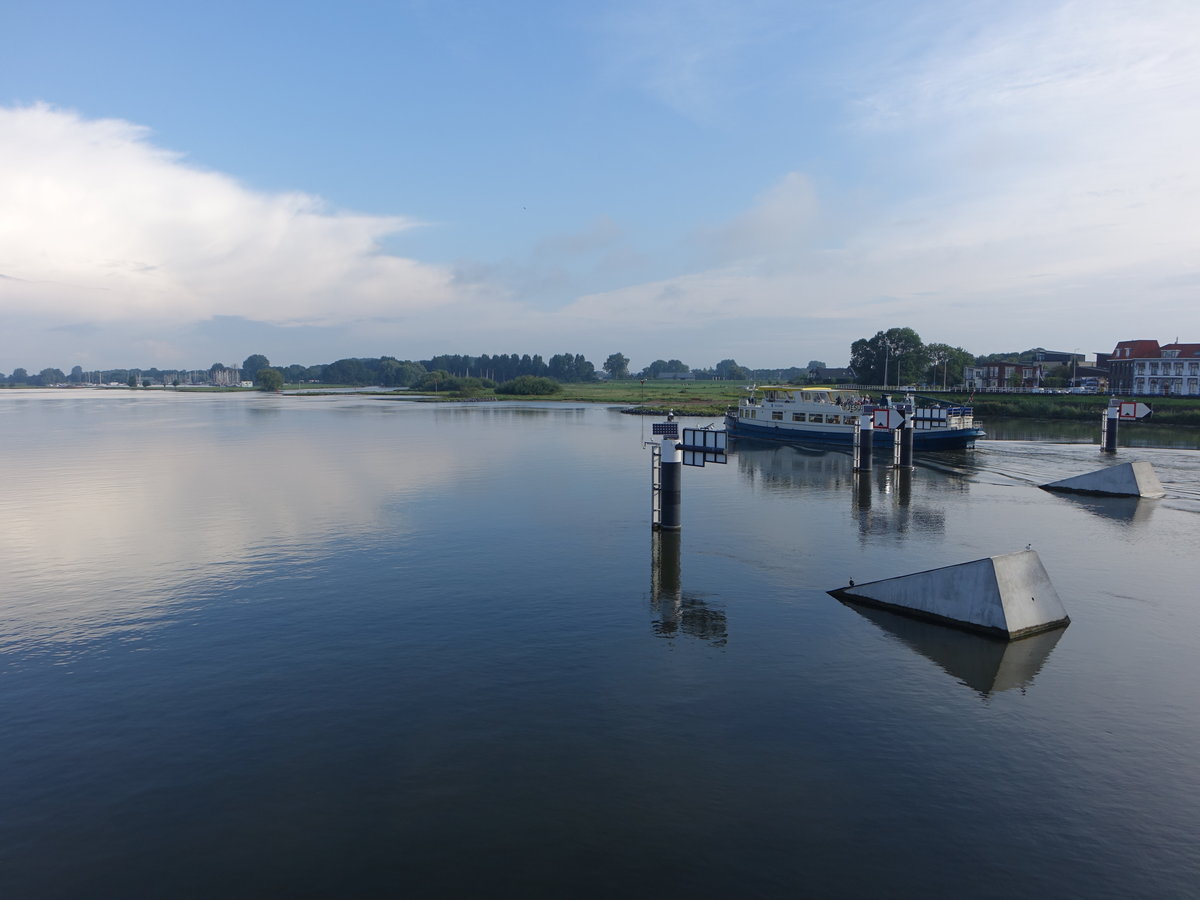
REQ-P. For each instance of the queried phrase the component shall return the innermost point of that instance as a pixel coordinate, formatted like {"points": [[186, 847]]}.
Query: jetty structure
{"points": [[1008, 596], [1131, 479]]}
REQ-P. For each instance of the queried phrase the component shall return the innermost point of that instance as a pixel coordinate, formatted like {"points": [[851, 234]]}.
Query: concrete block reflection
{"points": [[984, 664]]}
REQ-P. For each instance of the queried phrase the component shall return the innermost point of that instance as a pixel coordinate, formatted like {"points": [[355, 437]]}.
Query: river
{"points": [[326, 646]]}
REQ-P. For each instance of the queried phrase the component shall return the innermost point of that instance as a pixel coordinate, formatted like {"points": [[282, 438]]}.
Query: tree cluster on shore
{"points": [[893, 356]]}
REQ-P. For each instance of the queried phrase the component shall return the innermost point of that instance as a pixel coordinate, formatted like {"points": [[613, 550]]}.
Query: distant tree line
{"points": [[503, 367], [895, 356]]}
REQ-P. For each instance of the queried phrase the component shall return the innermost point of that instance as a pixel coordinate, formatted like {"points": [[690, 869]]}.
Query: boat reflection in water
{"points": [[676, 612], [883, 504], [881, 499], [983, 664]]}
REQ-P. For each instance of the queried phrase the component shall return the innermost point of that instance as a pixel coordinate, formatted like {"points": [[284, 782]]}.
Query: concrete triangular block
{"points": [[1008, 596], [1135, 479]]}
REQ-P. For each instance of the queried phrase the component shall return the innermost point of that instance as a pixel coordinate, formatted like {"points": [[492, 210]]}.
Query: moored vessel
{"points": [[831, 415]]}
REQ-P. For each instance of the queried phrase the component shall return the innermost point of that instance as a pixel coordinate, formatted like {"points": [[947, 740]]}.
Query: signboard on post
{"points": [[701, 445], [666, 429], [1133, 410], [888, 418]]}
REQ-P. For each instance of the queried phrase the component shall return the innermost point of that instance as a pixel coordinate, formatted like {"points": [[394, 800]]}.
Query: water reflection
{"points": [[776, 466], [1128, 510], [897, 513], [107, 531], [1132, 434], [883, 501], [676, 612], [983, 664]]}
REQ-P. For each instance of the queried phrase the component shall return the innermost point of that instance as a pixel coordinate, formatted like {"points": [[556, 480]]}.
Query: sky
{"points": [[762, 180]]}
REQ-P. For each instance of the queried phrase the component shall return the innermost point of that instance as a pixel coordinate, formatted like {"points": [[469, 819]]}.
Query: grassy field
{"points": [[713, 398], [709, 398], [700, 398]]}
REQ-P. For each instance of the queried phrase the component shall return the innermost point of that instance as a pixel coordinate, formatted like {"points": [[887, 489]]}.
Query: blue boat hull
{"points": [[942, 439]]}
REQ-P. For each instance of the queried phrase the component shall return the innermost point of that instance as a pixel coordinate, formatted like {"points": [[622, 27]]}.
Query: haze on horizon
{"points": [[766, 180]]}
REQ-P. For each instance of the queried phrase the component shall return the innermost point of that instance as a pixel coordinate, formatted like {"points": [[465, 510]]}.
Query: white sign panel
{"points": [[1132, 410], [888, 418], [701, 445]]}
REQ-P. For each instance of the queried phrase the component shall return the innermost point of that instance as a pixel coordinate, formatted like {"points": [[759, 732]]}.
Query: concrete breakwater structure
{"points": [[1008, 596], [1131, 479]]}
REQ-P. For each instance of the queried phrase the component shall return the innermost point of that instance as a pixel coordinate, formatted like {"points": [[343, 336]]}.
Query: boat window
{"points": [[816, 417], [777, 416], [797, 417]]}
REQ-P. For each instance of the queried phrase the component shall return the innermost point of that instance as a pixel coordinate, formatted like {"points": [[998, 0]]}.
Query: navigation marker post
{"points": [[905, 441], [665, 466], [668, 457], [864, 436], [1129, 411], [891, 419]]}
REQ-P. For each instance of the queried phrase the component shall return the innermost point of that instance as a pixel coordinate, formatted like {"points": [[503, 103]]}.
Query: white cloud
{"points": [[1008, 174], [99, 224]]}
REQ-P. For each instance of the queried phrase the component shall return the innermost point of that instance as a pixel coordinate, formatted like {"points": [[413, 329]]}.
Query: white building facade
{"points": [[1143, 367]]}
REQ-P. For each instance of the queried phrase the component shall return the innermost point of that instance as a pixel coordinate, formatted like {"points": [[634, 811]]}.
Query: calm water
{"points": [[283, 646]]}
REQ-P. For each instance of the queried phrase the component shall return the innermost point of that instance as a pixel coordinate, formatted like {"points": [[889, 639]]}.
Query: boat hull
{"points": [[931, 439]]}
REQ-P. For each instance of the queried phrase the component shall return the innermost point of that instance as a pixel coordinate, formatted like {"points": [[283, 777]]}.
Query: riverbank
{"points": [[1183, 411], [712, 398]]}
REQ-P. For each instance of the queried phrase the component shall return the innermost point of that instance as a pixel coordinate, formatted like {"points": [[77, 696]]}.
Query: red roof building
{"points": [[1144, 367]]}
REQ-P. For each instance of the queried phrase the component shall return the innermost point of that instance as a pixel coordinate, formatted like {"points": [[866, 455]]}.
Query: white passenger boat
{"points": [[830, 415]]}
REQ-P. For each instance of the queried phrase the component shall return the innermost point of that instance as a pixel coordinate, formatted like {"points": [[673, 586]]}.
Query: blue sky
{"points": [[182, 184]]}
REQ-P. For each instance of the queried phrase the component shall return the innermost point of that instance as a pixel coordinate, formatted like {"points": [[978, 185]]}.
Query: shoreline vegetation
{"points": [[711, 399]]}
